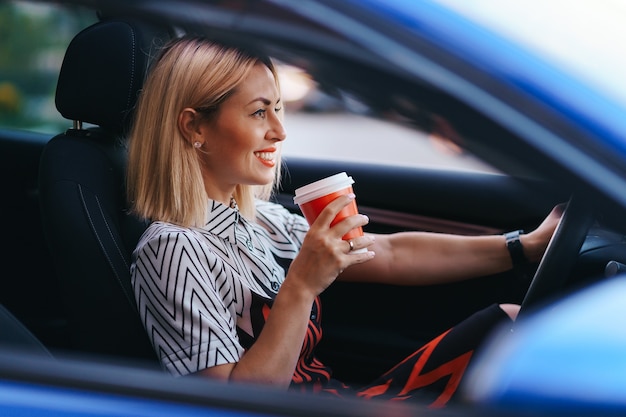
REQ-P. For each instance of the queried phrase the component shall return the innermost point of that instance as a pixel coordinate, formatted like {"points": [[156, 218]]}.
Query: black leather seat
{"points": [[90, 233], [14, 335]]}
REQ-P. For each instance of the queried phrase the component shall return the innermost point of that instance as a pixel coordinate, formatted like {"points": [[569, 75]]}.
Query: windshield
{"points": [[578, 36]]}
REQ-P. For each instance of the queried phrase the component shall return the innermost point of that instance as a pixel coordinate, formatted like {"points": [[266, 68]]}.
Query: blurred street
{"points": [[344, 136]]}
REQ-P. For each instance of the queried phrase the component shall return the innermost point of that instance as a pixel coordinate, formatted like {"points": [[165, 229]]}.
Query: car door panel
{"points": [[402, 198]]}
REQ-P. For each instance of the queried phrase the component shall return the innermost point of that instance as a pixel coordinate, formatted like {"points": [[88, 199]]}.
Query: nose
{"points": [[277, 130]]}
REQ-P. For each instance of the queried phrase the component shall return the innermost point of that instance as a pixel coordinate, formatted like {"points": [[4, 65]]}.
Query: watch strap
{"points": [[516, 250]]}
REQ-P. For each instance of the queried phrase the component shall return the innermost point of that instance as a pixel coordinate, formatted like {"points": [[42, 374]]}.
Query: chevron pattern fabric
{"points": [[196, 287]]}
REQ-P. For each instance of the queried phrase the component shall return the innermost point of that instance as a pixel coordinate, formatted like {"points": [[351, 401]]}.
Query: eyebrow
{"points": [[264, 100]]}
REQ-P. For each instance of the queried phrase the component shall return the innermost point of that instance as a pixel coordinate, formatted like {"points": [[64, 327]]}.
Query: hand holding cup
{"points": [[312, 199]]}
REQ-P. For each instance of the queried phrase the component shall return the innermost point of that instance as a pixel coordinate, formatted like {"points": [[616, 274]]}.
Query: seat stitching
{"points": [[119, 250], [93, 228], [132, 70]]}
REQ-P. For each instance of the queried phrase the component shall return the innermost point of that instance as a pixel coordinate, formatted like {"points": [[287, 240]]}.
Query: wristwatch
{"points": [[516, 250]]}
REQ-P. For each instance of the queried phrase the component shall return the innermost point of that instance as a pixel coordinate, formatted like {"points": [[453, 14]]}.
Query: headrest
{"points": [[103, 70]]}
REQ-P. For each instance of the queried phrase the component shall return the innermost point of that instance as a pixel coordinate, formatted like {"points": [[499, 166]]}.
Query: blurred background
{"points": [[318, 125]]}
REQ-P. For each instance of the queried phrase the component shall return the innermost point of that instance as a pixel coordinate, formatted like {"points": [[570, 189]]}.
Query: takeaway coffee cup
{"points": [[312, 199]]}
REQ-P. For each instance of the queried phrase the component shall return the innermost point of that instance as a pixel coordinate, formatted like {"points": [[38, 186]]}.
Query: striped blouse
{"points": [[203, 293]]}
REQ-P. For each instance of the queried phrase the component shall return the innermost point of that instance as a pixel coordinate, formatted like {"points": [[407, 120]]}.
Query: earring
{"points": [[197, 145]]}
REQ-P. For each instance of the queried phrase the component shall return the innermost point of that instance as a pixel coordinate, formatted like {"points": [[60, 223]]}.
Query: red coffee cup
{"points": [[312, 199]]}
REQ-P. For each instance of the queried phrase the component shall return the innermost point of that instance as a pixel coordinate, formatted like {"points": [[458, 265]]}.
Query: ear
{"points": [[189, 126]]}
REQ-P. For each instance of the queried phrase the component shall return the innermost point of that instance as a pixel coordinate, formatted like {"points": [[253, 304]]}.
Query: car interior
{"points": [[72, 235], [84, 213]]}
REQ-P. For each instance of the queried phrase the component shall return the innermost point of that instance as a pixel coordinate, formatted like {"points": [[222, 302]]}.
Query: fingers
{"points": [[359, 254], [334, 207], [330, 215], [325, 233], [557, 211], [536, 242], [358, 245]]}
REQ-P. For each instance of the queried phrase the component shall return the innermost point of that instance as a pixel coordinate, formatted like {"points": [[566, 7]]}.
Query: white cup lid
{"points": [[322, 187]]}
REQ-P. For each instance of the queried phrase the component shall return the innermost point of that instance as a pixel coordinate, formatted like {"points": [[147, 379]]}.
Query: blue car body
{"points": [[551, 112]]}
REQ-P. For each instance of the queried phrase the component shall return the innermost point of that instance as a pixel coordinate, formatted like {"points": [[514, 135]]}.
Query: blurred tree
{"points": [[10, 99], [33, 39]]}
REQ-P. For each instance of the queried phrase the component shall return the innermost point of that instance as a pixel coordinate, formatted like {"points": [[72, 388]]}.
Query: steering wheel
{"points": [[560, 256]]}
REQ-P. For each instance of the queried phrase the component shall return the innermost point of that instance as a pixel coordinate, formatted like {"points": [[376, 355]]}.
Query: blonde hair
{"points": [[164, 179]]}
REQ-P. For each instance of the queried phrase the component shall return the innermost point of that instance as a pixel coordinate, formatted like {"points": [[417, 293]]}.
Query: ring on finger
{"points": [[351, 245]]}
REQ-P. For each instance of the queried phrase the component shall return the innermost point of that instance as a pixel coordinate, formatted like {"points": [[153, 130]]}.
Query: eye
{"points": [[259, 113], [278, 109]]}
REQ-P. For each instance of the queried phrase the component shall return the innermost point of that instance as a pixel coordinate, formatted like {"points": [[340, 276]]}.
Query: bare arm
{"points": [[273, 357], [419, 258]]}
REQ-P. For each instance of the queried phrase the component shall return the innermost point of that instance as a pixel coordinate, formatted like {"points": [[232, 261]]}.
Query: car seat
{"points": [[87, 226], [14, 335]]}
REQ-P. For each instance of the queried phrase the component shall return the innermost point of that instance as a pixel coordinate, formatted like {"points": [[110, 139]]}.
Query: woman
{"points": [[227, 283]]}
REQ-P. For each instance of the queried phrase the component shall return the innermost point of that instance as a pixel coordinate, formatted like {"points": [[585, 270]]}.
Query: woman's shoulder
{"points": [[163, 228], [163, 231], [271, 209], [278, 216]]}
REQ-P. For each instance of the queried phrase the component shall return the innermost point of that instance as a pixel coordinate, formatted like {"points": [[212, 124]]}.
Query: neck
{"points": [[223, 196]]}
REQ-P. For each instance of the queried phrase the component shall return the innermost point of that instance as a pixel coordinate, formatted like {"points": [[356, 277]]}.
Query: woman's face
{"points": [[243, 141]]}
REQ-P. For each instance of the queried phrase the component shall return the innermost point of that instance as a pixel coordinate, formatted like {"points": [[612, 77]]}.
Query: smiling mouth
{"points": [[267, 158]]}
